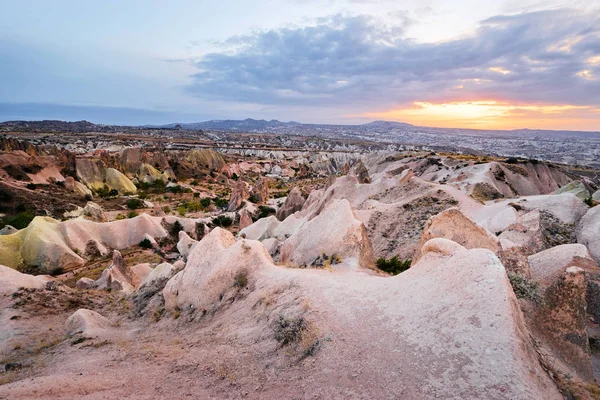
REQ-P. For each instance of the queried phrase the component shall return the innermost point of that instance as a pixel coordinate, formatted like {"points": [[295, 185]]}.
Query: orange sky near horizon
{"points": [[491, 114]]}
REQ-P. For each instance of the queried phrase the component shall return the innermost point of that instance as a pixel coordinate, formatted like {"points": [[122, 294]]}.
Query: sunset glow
{"points": [[490, 114]]}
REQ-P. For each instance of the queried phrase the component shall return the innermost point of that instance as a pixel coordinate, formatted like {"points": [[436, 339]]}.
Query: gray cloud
{"points": [[349, 61]]}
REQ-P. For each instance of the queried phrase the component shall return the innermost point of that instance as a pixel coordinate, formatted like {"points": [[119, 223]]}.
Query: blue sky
{"points": [[463, 63]]}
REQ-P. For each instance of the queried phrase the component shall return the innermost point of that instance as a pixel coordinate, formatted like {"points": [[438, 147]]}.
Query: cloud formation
{"points": [[544, 57]]}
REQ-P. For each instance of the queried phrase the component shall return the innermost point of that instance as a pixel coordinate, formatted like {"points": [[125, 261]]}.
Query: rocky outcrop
{"points": [[11, 281], [452, 224], [87, 323], [576, 188], [8, 230], [117, 276], [238, 196], [260, 191], [211, 270], [361, 173], [344, 236], [185, 243], [77, 187], [546, 266], [562, 320], [118, 181], [588, 232], [245, 219], [293, 203]]}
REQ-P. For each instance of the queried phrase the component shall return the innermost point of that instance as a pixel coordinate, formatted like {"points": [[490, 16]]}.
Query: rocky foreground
{"points": [[496, 293]]}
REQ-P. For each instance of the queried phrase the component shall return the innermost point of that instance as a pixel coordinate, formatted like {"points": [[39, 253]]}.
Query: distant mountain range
{"points": [[250, 124]]}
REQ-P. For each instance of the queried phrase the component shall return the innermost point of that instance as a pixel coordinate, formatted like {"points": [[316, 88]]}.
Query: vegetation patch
{"points": [[393, 265]]}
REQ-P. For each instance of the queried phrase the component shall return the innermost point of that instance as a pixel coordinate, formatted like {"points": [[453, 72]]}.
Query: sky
{"points": [[505, 64]]}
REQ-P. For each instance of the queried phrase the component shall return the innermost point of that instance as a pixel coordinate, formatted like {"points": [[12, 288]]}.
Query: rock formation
{"points": [[293, 203]]}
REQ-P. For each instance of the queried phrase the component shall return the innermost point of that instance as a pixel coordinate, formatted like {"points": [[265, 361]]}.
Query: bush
{"points": [[181, 210], [196, 195], [19, 221], [193, 206], [394, 265], [264, 212], [222, 221], [220, 203], [166, 209], [132, 214], [113, 192], [119, 217], [512, 160], [31, 186], [205, 202], [134, 204], [146, 243], [175, 229]]}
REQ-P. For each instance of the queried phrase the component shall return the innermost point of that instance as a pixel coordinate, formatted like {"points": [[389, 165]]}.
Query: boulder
{"points": [[8, 230], [238, 195], [87, 322], [562, 320], [211, 270], [245, 219], [335, 231], [93, 212], [576, 188], [85, 283], [117, 276], [260, 191], [293, 203], [77, 187], [454, 225], [548, 265], [596, 196], [116, 180], [185, 243], [12, 280], [361, 173], [588, 232]]}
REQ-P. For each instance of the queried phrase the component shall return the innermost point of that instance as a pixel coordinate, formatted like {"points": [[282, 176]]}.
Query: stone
{"points": [[12, 280], [576, 188], [238, 195], [344, 236], [117, 276], [245, 219], [8, 230], [87, 323], [85, 283], [185, 243], [293, 203], [454, 225], [93, 212], [260, 191], [361, 173], [588, 232]]}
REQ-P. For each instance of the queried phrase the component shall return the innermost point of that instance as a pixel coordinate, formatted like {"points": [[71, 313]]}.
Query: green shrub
{"points": [[146, 243], [196, 195], [220, 203], [19, 221], [175, 228], [134, 204], [119, 217], [205, 202], [113, 192], [265, 211], [394, 265], [132, 214], [193, 206], [166, 209], [181, 210], [222, 221]]}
